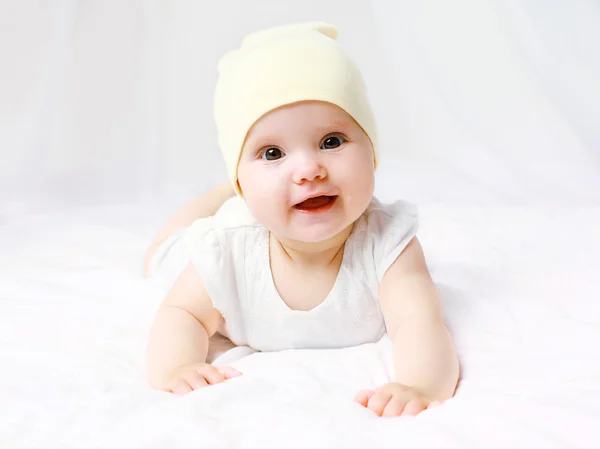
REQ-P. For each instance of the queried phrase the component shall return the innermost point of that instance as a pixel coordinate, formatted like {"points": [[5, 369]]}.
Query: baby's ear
{"points": [[262, 36]]}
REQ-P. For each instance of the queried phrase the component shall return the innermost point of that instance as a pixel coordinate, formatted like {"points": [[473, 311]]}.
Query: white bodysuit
{"points": [[230, 251]]}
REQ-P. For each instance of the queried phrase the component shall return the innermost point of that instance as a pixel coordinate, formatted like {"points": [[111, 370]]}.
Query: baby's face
{"points": [[302, 151]]}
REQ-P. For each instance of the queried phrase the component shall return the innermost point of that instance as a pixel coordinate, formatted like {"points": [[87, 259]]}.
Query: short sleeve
{"points": [[208, 250], [391, 227]]}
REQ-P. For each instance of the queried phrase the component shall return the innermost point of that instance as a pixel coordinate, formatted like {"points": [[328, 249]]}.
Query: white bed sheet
{"points": [[520, 290]]}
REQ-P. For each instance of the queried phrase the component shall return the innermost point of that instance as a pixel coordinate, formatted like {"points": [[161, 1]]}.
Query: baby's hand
{"points": [[191, 377], [394, 399]]}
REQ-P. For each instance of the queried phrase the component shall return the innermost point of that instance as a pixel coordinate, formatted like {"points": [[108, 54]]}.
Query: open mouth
{"points": [[316, 204]]}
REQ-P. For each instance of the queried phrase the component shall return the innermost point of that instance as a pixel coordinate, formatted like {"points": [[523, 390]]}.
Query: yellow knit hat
{"points": [[280, 66]]}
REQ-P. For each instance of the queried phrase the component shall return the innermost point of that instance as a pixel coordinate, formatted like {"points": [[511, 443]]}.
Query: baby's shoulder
{"points": [[224, 230], [379, 217], [234, 214], [383, 231]]}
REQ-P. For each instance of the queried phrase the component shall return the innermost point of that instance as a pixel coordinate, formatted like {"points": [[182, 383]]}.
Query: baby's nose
{"points": [[309, 169]]}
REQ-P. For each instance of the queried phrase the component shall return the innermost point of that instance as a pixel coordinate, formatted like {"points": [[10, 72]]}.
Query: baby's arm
{"points": [[424, 356], [179, 337], [200, 207]]}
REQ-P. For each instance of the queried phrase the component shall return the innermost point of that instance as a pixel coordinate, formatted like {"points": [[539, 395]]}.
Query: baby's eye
{"points": [[272, 154], [332, 142]]}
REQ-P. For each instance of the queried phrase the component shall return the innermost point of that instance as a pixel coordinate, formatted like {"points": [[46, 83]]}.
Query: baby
{"points": [[303, 256]]}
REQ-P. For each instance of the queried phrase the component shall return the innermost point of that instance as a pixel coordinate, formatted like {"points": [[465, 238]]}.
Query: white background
{"points": [[489, 113]]}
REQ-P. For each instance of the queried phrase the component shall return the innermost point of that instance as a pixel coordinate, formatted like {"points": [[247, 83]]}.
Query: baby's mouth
{"points": [[317, 203]]}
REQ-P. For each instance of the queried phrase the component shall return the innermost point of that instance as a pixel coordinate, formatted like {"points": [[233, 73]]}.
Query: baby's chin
{"points": [[314, 233]]}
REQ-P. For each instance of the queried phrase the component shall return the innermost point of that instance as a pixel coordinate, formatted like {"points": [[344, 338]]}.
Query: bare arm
{"points": [[181, 329], [424, 355], [200, 207]]}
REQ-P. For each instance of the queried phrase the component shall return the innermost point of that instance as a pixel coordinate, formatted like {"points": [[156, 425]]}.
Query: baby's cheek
{"points": [[266, 206]]}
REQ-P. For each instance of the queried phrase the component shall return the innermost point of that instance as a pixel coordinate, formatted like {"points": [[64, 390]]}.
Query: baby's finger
{"points": [[394, 407], [378, 401], [179, 386], [212, 375], [195, 380], [433, 404], [229, 372], [413, 407], [363, 396]]}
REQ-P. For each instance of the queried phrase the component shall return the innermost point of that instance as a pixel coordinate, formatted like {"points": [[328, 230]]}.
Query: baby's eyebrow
{"points": [[336, 124], [254, 139]]}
